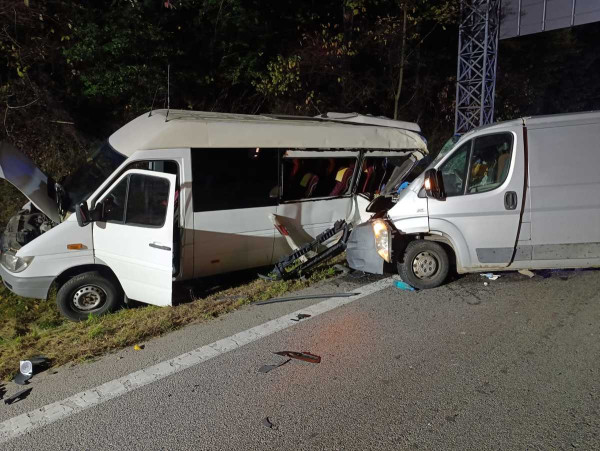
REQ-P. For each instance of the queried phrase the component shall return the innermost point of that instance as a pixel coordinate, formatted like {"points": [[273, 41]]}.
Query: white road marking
{"points": [[50, 413]]}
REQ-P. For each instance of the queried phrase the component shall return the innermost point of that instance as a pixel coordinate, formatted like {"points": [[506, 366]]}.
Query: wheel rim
{"points": [[425, 265], [89, 297]]}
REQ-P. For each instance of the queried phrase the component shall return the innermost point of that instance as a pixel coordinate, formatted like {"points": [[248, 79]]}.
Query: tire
{"points": [[425, 264], [88, 293]]}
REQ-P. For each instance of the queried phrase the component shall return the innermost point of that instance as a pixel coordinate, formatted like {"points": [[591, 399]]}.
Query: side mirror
{"points": [[82, 213], [434, 184]]}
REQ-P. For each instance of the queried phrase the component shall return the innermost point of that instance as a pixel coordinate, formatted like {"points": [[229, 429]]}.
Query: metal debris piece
{"points": [[526, 272], [308, 296], [17, 396], [301, 316], [305, 356], [490, 275], [268, 423], [267, 368]]}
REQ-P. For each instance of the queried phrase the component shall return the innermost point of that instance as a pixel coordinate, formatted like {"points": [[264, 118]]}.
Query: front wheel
{"points": [[86, 293], [425, 264]]}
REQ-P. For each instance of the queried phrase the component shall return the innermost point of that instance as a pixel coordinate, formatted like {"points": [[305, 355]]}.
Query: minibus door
{"points": [[134, 237]]}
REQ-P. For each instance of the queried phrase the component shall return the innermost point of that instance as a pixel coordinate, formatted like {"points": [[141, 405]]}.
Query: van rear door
{"points": [[483, 180], [135, 236]]}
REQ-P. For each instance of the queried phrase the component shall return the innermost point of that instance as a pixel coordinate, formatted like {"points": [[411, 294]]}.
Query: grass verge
{"points": [[30, 327]]}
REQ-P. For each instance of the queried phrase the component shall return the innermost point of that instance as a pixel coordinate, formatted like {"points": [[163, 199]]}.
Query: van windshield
{"points": [[85, 180]]}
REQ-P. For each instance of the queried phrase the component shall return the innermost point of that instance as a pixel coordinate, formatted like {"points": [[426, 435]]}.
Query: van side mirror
{"points": [[434, 184], [85, 216]]}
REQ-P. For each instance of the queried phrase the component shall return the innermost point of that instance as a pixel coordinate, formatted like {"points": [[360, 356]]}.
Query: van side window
{"points": [[454, 171], [490, 162], [228, 179], [138, 200], [309, 178]]}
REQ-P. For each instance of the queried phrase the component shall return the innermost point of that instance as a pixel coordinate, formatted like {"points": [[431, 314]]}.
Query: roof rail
{"points": [[368, 119]]}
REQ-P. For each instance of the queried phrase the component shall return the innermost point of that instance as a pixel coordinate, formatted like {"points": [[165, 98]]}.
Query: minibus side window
{"points": [[454, 171], [490, 162], [376, 172], [228, 179], [309, 178]]}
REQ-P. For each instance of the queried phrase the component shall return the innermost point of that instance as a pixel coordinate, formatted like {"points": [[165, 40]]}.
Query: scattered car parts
{"points": [[18, 396], [308, 296], [301, 316], [304, 356]]}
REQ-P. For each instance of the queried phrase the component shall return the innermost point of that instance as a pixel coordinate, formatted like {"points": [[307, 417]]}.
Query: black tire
{"points": [[425, 264], [89, 292]]}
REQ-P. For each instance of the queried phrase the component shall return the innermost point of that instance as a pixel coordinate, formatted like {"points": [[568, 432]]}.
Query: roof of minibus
{"points": [[198, 129]]}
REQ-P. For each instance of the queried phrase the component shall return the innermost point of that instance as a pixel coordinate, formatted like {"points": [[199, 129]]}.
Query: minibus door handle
{"points": [[159, 246], [510, 200]]}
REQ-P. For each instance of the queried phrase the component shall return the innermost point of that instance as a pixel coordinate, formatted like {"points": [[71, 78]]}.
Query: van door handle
{"points": [[510, 200], [162, 247]]}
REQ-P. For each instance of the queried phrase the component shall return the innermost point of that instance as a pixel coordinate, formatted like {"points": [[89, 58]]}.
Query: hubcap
{"points": [[425, 265], [89, 297]]}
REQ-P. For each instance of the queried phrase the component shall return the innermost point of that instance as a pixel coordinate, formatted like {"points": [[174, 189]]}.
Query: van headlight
{"points": [[383, 240], [14, 263]]}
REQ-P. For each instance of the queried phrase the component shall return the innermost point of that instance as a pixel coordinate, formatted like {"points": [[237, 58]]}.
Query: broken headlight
{"points": [[14, 263], [383, 239]]}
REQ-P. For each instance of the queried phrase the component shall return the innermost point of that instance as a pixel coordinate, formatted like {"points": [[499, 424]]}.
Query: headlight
{"points": [[382, 239], [14, 263]]}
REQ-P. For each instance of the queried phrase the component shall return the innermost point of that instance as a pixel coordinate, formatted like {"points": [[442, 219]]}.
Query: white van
{"points": [[175, 195], [522, 194]]}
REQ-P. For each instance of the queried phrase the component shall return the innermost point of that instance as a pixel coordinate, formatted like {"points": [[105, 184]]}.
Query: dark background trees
{"points": [[72, 72]]}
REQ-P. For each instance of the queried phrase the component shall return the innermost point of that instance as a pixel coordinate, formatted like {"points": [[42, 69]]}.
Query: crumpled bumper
{"points": [[361, 253], [28, 287]]}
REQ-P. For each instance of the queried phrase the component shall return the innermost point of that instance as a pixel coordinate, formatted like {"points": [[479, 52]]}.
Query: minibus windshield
{"points": [[85, 180]]}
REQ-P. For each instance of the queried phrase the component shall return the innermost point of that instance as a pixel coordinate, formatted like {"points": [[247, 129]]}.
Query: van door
{"points": [[316, 192], [135, 236], [483, 180], [234, 194]]}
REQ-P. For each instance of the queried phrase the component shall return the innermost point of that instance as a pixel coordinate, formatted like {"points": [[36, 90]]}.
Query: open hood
{"points": [[20, 171]]}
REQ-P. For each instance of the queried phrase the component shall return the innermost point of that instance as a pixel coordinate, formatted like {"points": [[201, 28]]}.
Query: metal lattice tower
{"points": [[477, 57]]}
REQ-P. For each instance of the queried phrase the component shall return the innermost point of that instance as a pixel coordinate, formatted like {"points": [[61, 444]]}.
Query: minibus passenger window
{"points": [[228, 179], [378, 172], [309, 178]]}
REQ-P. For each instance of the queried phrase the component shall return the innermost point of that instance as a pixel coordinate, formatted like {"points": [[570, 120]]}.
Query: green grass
{"points": [[29, 327]]}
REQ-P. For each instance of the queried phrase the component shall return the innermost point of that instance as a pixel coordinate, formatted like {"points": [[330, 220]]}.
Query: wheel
{"points": [[425, 264], [86, 293]]}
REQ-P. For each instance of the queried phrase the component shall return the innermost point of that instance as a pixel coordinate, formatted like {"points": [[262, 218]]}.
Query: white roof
{"points": [[189, 129]]}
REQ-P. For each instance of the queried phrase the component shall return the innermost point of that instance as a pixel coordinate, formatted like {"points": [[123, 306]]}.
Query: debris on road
{"points": [[27, 368], [305, 356], [307, 296], [268, 423], [490, 275], [526, 272], [18, 396], [267, 368], [301, 316], [403, 285], [138, 347]]}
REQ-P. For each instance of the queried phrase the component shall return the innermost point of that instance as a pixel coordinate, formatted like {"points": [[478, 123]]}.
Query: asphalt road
{"points": [[510, 365]]}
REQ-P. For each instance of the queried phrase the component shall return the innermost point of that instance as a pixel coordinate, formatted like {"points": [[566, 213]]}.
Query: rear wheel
{"points": [[425, 264], [89, 292]]}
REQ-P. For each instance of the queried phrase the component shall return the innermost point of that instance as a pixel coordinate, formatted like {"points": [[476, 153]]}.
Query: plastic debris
{"points": [[485, 284], [305, 356], [526, 272], [308, 296], [138, 347], [27, 368], [267, 368], [18, 396], [403, 285], [301, 316], [490, 275]]}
